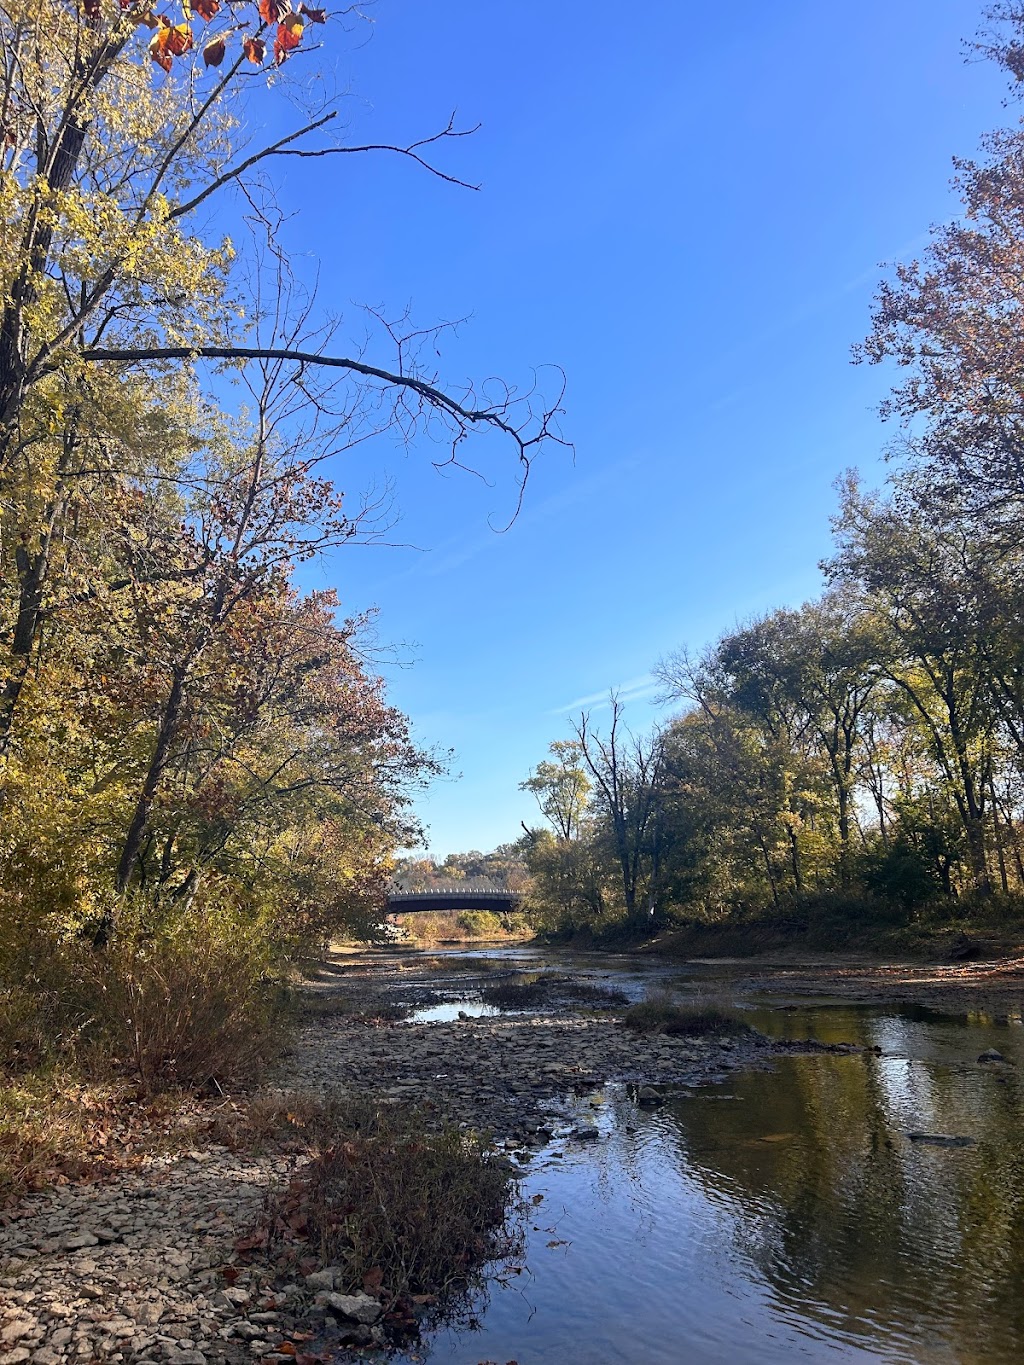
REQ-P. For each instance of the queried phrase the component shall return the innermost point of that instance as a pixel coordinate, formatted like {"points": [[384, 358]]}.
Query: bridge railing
{"points": [[498, 892]]}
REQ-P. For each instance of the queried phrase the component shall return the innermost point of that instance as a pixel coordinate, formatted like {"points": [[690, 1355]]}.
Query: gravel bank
{"points": [[133, 1270]]}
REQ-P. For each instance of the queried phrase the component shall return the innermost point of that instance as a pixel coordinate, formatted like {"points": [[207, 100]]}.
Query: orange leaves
{"points": [[289, 35], [169, 41], [174, 40]]}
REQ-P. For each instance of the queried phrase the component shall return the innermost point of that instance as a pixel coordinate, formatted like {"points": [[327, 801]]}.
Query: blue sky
{"points": [[685, 206]]}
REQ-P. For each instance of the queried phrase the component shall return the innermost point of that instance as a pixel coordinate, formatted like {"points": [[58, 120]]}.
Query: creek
{"points": [[782, 1215]]}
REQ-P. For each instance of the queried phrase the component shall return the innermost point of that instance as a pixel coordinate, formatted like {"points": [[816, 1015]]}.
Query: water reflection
{"points": [[794, 1221]]}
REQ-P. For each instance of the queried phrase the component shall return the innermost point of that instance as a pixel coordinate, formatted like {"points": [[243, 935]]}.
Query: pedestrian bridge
{"points": [[460, 896]]}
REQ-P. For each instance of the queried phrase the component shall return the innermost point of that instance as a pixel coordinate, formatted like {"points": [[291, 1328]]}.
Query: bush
{"points": [[195, 1001], [393, 1202], [658, 1014], [519, 993], [480, 923]]}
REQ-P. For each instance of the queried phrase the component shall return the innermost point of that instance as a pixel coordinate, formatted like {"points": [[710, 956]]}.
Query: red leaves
{"points": [[169, 41], [91, 9], [289, 35], [271, 11], [373, 1279], [255, 49], [213, 52], [206, 9]]}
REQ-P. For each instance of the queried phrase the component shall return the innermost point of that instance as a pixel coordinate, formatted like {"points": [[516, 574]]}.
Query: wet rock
{"points": [[648, 1097], [355, 1307], [585, 1132], [992, 1055], [942, 1139]]}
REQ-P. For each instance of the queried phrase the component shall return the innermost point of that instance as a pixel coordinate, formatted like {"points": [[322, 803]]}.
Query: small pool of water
{"points": [[449, 1011], [784, 1215]]}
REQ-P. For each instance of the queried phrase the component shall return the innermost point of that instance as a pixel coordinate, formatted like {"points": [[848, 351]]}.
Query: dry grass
{"points": [[526, 991], [659, 1014], [55, 1129]]}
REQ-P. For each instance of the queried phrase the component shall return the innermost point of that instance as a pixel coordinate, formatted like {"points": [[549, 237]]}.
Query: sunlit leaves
{"points": [[213, 52], [289, 35], [255, 50], [169, 41]]}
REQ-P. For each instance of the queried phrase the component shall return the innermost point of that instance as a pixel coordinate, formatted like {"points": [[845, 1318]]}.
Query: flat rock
{"points": [[942, 1139], [356, 1307]]}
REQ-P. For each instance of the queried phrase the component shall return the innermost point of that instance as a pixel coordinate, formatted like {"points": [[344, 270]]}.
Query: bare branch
{"points": [[284, 148]]}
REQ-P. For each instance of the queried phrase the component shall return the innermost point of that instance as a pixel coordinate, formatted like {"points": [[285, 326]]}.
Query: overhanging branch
{"points": [[429, 393]]}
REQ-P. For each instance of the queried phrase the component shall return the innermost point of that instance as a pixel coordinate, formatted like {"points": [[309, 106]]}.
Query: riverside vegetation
{"points": [[201, 778], [848, 772]]}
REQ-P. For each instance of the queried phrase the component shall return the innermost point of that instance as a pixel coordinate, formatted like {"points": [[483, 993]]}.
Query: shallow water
{"points": [[783, 1215]]}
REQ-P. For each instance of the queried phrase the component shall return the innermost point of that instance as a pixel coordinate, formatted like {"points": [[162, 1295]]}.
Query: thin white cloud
{"points": [[636, 689]]}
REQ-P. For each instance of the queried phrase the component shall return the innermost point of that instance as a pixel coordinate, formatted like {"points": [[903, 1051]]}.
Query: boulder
{"points": [[991, 1055], [648, 1097]]}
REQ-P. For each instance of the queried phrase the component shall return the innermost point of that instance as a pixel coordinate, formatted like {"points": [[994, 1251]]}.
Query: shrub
{"points": [[480, 923], [196, 1000], [519, 993], [393, 1201]]}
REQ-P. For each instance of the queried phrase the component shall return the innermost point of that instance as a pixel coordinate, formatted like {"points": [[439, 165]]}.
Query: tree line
{"points": [[867, 747], [189, 734]]}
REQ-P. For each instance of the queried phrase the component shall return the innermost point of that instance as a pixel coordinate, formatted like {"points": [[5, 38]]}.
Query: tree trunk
{"points": [[144, 804]]}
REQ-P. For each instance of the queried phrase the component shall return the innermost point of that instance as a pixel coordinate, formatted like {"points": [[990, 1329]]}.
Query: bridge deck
{"points": [[439, 899]]}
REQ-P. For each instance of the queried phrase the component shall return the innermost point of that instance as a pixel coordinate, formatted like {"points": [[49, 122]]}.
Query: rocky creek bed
{"points": [[147, 1267]]}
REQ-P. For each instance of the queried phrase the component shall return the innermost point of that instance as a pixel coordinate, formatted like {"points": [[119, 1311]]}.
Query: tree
{"points": [[121, 130], [625, 770], [561, 788], [917, 576]]}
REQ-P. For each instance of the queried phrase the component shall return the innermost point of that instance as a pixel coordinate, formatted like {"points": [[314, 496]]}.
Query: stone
{"points": [[74, 1241], [321, 1279], [357, 1307], [585, 1132], [239, 1297], [649, 1097], [942, 1139], [14, 1331], [991, 1055]]}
